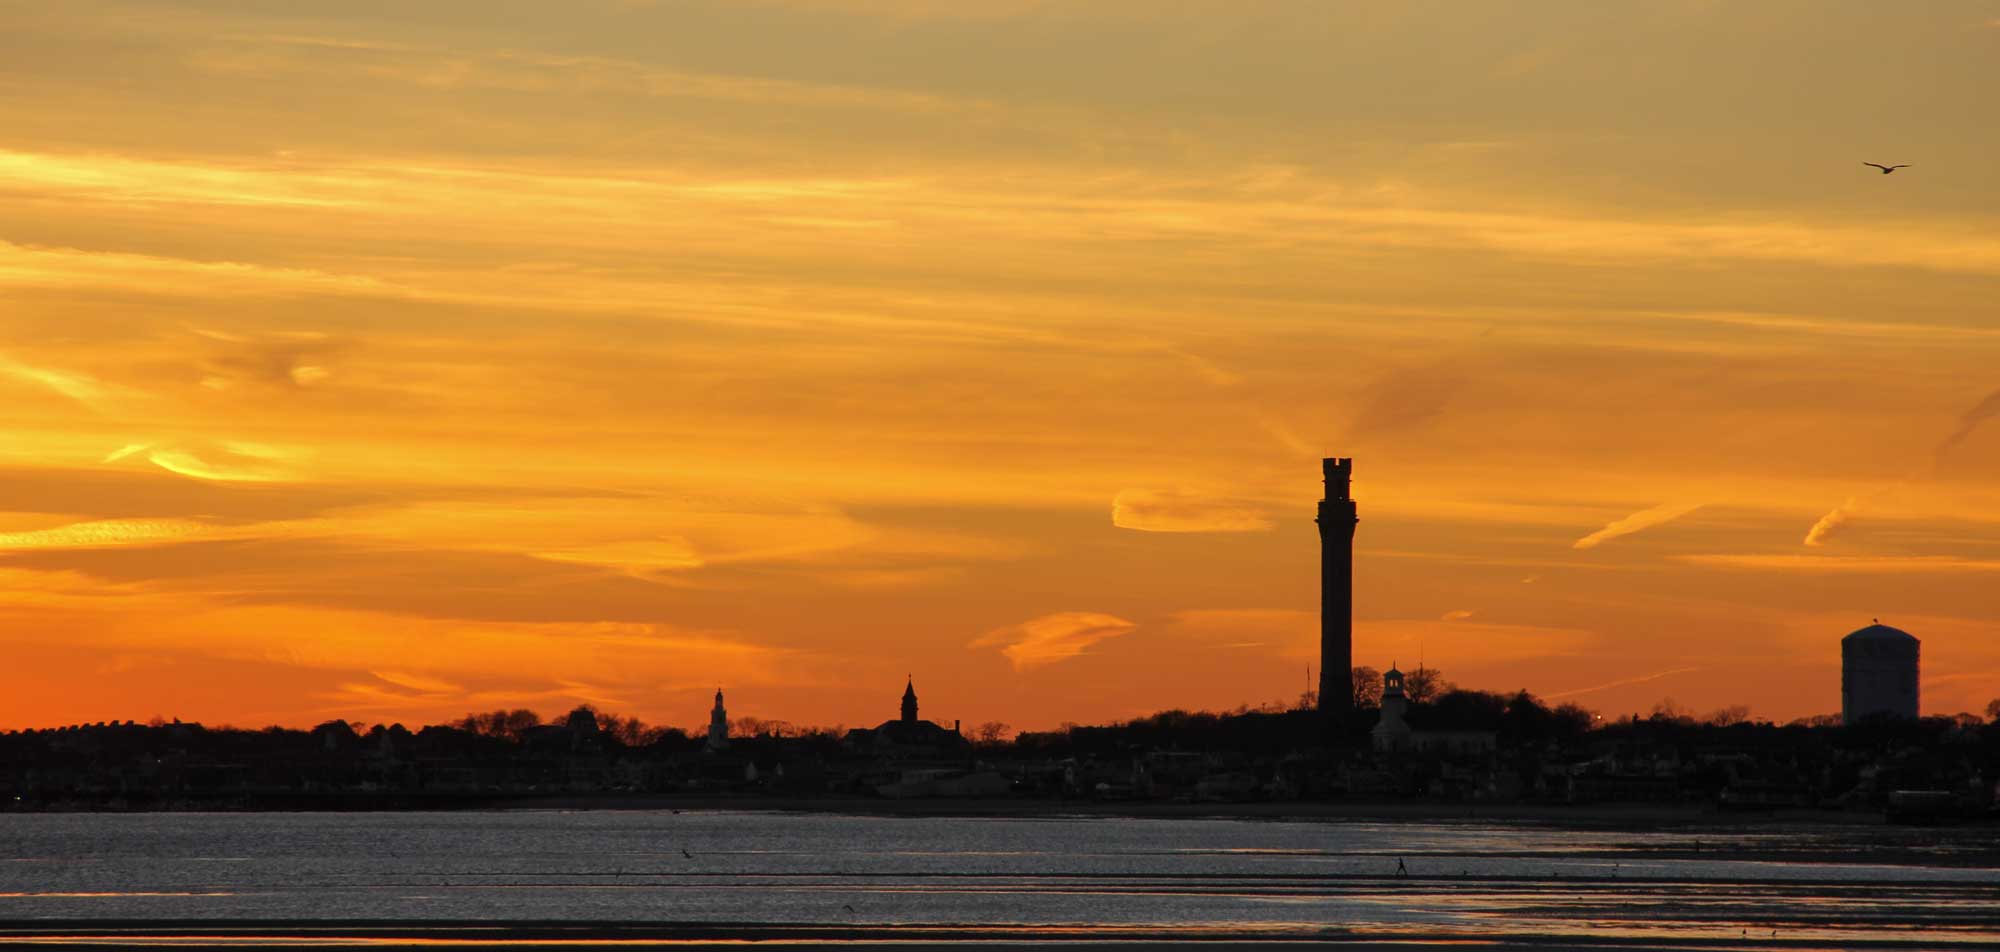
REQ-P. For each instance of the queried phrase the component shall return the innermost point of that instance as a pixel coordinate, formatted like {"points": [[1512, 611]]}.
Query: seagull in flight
{"points": [[1886, 169]]}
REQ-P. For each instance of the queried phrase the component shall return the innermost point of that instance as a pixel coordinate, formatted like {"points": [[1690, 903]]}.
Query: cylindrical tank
{"points": [[1878, 673]]}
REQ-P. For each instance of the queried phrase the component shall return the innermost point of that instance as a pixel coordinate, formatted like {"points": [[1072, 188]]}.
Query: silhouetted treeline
{"points": [[1518, 718], [519, 723], [1461, 745]]}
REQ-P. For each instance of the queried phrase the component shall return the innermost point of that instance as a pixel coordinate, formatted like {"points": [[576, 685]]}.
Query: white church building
{"points": [[1394, 734]]}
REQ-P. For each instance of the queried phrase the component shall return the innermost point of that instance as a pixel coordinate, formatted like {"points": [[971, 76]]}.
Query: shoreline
{"points": [[1611, 816], [585, 934], [1601, 816]]}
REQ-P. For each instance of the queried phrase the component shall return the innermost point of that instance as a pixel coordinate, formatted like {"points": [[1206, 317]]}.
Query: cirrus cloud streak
{"points": [[1054, 637], [1637, 522]]}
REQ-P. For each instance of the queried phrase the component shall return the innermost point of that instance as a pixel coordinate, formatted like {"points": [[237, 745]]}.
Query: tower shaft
{"points": [[1337, 520]]}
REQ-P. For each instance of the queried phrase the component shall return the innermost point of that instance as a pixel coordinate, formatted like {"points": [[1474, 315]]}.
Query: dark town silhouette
{"points": [[1368, 736]]}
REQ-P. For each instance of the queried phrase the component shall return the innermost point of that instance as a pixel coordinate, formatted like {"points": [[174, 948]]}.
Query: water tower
{"points": [[1878, 673]]}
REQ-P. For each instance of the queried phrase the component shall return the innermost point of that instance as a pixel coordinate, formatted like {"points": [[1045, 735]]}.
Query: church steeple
{"points": [[718, 724], [910, 701]]}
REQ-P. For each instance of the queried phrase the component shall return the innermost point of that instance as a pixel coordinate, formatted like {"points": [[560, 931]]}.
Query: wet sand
{"points": [[566, 936], [599, 879], [1528, 914], [1605, 912], [1648, 816]]}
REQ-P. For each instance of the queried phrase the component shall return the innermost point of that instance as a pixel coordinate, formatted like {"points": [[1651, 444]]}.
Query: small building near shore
{"points": [[1401, 730]]}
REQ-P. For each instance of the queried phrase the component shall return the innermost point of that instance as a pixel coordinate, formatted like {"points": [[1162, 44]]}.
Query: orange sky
{"points": [[388, 361]]}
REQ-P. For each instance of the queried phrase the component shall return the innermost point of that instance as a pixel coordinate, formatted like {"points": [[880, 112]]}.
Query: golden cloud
{"points": [[1052, 638], [111, 532], [418, 682], [82, 388], [1831, 523], [1638, 521]]}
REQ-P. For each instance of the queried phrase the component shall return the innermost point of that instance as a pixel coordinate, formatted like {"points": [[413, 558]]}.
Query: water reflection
{"points": [[846, 879]]}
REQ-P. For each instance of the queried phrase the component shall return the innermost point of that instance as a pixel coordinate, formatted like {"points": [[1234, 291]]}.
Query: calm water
{"points": [[1246, 877]]}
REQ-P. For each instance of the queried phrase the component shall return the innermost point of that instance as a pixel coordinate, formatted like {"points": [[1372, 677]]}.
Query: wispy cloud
{"points": [[1289, 632], [82, 388], [1988, 676], [641, 557], [24, 266], [1448, 644], [103, 177], [1837, 518], [230, 463], [1622, 682], [430, 653], [290, 360], [1406, 399], [1052, 638], [1831, 523], [1859, 565], [418, 682], [1981, 412], [524, 70], [108, 532], [1636, 522], [1174, 511]]}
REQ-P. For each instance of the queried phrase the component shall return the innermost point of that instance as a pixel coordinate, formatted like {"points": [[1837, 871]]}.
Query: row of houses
{"points": [[1274, 756]]}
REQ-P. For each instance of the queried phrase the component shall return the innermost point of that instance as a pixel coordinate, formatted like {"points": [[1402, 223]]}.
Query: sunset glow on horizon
{"points": [[392, 361]]}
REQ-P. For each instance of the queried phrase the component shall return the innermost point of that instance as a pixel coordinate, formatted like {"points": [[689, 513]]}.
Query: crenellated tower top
{"points": [[1339, 477]]}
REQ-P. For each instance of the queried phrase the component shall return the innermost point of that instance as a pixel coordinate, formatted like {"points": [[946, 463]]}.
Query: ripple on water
{"points": [[1097, 874]]}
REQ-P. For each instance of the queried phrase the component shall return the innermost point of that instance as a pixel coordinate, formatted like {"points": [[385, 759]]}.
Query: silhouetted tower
{"points": [[718, 724], [1878, 673], [910, 702], [1337, 519]]}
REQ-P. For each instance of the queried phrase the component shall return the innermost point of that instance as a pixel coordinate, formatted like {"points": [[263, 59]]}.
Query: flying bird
{"points": [[1886, 169]]}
